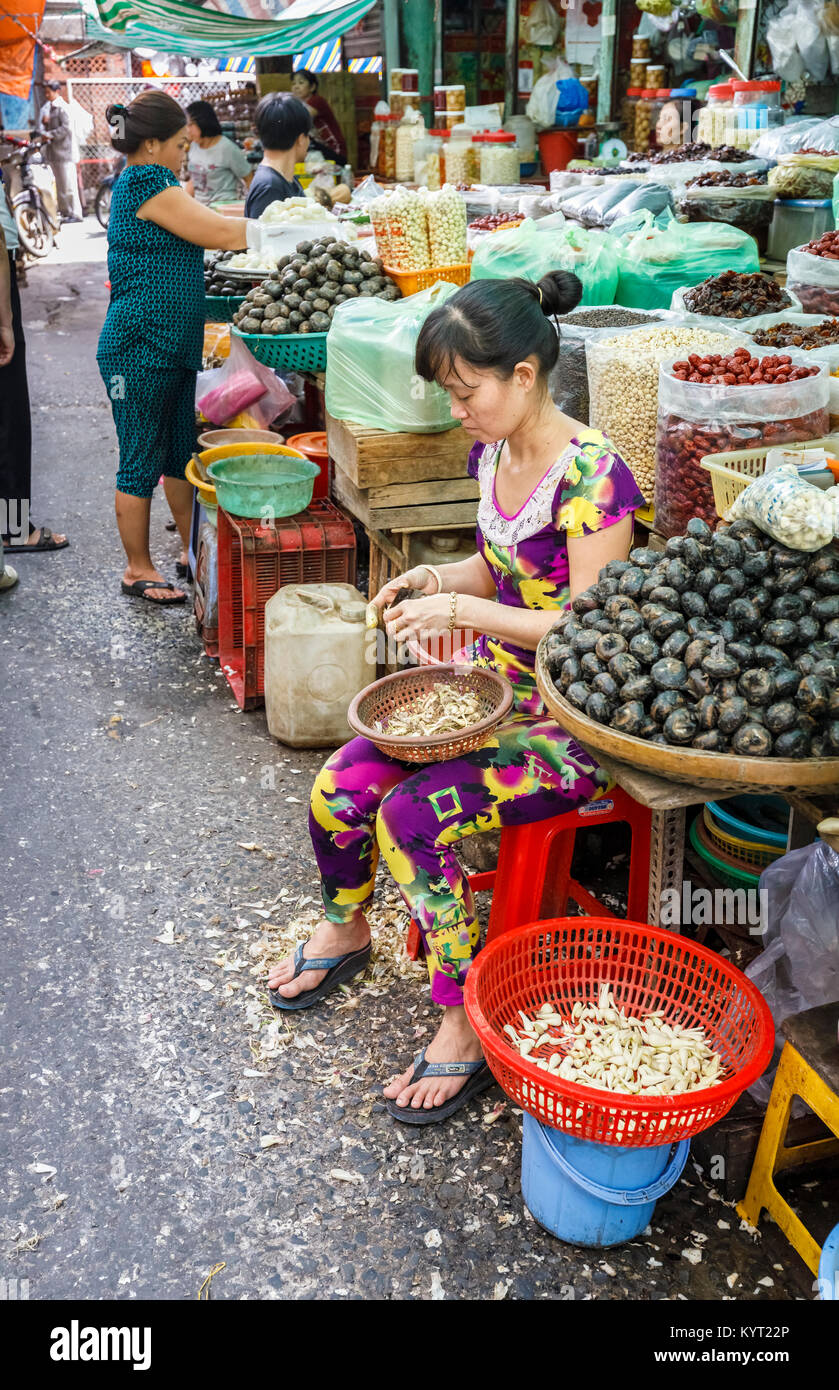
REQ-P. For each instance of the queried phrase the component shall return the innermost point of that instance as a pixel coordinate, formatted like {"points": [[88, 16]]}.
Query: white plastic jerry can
{"points": [[315, 641]]}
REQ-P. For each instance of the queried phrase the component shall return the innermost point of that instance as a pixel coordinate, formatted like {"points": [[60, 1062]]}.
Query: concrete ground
{"points": [[158, 1123]]}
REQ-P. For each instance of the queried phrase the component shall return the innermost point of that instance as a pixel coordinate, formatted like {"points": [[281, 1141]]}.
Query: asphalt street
{"points": [[157, 1121]]}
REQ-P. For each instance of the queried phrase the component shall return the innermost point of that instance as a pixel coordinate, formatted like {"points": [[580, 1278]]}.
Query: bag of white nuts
{"points": [[623, 385]]}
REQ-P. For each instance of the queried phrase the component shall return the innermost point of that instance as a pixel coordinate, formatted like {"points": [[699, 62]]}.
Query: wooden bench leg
{"points": [[667, 850]]}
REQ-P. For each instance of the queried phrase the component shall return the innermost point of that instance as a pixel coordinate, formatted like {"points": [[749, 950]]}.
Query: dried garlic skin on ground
{"points": [[602, 1047]]}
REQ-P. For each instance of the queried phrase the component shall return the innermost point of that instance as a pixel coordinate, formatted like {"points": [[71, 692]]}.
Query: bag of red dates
{"points": [[717, 404], [813, 274]]}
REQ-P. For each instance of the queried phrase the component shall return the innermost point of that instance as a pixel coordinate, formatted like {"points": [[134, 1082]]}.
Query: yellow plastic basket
{"points": [[411, 282], [646, 516], [745, 851], [732, 473]]}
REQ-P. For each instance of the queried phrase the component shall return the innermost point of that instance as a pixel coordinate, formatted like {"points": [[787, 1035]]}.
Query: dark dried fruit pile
{"points": [[827, 245], [302, 294], [796, 335], [724, 641], [739, 368], [722, 179], [735, 295], [729, 154]]}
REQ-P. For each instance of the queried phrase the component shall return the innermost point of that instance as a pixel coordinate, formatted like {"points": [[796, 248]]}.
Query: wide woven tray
{"points": [[713, 771], [380, 699]]}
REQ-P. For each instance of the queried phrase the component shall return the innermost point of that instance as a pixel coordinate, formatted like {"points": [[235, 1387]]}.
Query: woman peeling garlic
{"points": [[556, 506]]}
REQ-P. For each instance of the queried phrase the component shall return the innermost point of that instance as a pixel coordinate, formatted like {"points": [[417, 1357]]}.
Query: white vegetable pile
{"points": [[603, 1047], [295, 210], [251, 260]]}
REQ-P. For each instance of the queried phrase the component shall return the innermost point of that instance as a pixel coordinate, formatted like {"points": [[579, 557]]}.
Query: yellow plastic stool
{"points": [[809, 1068]]}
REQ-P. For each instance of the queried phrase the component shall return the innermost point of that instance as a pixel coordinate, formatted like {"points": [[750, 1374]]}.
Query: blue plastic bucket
{"points": [[594, 1194], [829, 1268]]}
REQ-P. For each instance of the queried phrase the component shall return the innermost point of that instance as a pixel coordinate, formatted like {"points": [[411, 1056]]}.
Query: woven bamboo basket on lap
{"points": [[713, 771], [379, 700]]}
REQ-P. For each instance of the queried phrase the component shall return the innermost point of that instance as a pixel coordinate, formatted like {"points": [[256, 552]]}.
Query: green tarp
{"points": [[174, 27]]}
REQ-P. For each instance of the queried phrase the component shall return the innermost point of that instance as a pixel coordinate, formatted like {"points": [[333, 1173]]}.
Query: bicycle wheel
{"points": [[102, 206], [35, 232]]}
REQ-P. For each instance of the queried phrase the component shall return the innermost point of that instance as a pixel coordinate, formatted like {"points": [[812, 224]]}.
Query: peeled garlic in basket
{"points": [[603, 1047]]}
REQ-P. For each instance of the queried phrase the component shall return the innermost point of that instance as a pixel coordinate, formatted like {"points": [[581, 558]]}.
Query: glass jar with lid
{"points": [[427, 158], [655, 75], [757, 105], [640, 49], [461, 156], [499, 159], [638, 74], [387, 147], [627, 116]]}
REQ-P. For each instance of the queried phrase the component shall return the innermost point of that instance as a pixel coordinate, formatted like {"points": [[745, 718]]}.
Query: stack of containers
{"points": [[717, 117], [449, 106]]}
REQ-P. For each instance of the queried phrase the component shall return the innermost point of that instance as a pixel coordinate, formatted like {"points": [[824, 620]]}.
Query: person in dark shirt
{"points": [[283, 125]]}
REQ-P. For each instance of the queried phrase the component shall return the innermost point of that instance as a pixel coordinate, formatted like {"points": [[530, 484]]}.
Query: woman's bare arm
{"points": [[588, 554], [176, 212]]}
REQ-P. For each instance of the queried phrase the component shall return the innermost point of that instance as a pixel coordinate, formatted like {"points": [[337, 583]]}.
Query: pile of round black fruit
{"points": [[216, 281], [302, 294], [725, 641]]}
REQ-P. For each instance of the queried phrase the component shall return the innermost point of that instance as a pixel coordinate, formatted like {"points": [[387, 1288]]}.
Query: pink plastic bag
{"points": [[241, 383]]}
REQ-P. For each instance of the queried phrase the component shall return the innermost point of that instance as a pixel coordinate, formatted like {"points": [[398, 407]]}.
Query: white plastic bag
{"points": [[811, 42], [799, 966], [780, 36], [541, 108], [788, 509], [541, 26]]}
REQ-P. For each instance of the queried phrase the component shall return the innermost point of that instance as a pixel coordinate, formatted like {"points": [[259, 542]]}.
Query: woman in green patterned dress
{"points": [[151, 342]]}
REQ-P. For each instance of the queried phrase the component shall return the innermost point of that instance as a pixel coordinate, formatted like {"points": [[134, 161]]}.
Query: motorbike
{"points": [[33, 196], [102, 203]]}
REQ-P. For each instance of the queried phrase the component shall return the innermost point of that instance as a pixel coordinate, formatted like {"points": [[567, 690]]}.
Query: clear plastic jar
{"points": [[400, 102], [427, 159], [461, 157], [440, 122], [407, 131], [716, 118], [499, 159], [376, 143], [456, 98], [404, 80], [440, 98], [655, 75], [454, 118], [387, 147], [640, 49], [646, 114], [627, 116], [757, 105]]}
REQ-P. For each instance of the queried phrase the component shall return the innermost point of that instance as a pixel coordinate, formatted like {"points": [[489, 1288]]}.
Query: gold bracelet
{"points": [[452, 611], [432, 569]]}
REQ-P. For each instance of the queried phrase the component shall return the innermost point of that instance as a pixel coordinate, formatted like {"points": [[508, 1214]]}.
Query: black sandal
{"points": [[480, 1079], [339, 970], [46, 541], [139, 587]]}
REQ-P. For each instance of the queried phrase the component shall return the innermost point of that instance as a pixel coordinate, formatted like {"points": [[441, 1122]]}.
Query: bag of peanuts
{"points": [[717, 404], [623, 373], [813, 274], [370, 374], [655, 262]]}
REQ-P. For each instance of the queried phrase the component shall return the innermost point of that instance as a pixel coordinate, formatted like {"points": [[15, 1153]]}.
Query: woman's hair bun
{"points": [[112, 112], [560, 292]]}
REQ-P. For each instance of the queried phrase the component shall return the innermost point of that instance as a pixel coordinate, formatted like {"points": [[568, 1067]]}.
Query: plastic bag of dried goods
{"points": [[787, 508], [370, 373], [654, 262]]}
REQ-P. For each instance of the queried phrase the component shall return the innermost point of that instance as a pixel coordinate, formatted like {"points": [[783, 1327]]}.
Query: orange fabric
{"points": [[17, 48]]}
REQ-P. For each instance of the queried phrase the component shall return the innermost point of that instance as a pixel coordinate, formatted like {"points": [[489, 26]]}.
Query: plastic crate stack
{"points": [[254, 561]]}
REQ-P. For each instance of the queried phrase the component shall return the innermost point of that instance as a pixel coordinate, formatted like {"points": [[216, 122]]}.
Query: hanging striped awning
{"points": [[237, 65], [176, 27], [326, 57], [365, 65]]}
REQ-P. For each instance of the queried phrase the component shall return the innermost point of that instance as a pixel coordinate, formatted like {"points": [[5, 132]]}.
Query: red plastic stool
{"points": [[535, 860]]}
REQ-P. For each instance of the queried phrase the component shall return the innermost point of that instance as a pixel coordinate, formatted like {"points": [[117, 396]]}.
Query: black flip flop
{"points": [[182, 570], [339, 970], [46, 541], [138, 590], [480, 1079]]}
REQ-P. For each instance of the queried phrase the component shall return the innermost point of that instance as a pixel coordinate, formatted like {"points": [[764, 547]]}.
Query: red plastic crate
{"points": [[254, 561]]}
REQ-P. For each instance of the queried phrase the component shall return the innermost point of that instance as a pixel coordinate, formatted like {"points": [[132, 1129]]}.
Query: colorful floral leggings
{"points": [[363, 802]]}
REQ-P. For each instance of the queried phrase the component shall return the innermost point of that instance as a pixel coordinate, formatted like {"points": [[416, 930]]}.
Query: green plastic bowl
{"points": [[264, 485]]}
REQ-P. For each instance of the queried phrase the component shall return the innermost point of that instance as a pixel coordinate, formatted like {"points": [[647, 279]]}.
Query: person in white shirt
{"points": [[61, 152], [218, 169]]}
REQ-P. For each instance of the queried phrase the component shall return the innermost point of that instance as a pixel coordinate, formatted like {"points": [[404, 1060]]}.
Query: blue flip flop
{"points": [[480, 1078], [339, 970]]}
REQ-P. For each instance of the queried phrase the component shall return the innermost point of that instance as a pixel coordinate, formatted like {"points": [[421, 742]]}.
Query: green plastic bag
{"points": [[654, 262], [551, 243], [370, 374]]}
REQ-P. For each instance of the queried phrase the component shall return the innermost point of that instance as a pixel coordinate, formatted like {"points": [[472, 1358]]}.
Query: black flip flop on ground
{"points": [[480, 1079], [182, 570], [139, 587], [46, 541], [339, 970]]}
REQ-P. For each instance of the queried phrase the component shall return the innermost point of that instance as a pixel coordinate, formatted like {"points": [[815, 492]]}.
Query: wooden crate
{"points": [[375, 458]]}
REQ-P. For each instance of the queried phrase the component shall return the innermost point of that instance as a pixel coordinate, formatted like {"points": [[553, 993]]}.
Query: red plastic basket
{"points": [[567, 959], [254, 561]]}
